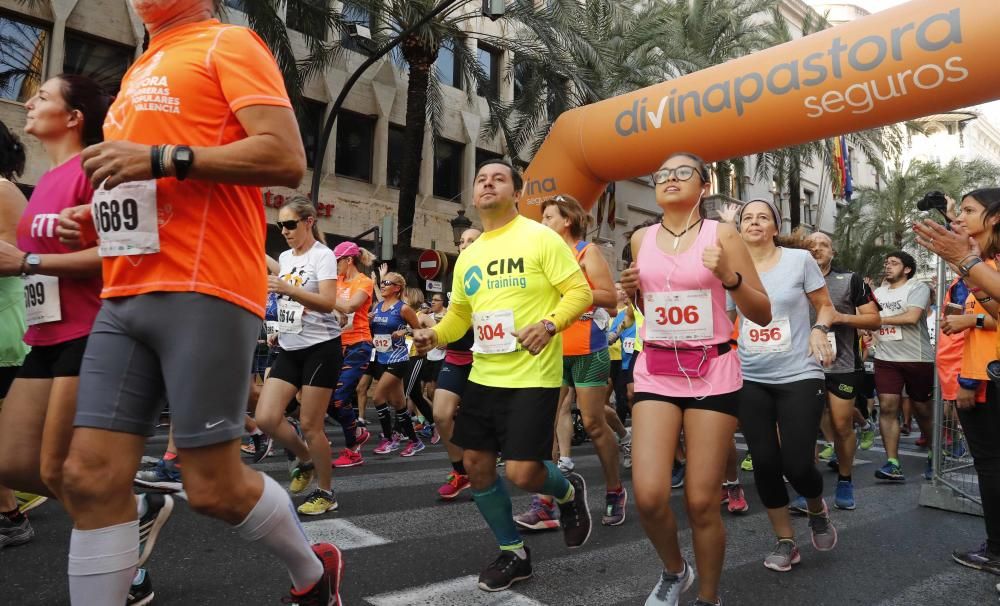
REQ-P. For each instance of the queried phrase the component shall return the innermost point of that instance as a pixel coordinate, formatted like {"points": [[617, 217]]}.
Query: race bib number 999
{"points": [[41, 300]]}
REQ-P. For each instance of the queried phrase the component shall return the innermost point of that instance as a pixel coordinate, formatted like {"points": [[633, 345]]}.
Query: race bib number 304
{"points": [[679, 316], [494, 332], [125, 219], [41, 300]]}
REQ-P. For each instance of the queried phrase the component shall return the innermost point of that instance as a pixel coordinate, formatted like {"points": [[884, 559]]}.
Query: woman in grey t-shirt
{"points": [[783, 382]]}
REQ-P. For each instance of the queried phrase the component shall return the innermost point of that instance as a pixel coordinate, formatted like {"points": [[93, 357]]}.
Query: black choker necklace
{"points": [[689, 228]]}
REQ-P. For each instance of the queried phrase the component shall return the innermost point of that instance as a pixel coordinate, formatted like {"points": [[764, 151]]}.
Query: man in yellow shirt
{"points": [[518, 286]]}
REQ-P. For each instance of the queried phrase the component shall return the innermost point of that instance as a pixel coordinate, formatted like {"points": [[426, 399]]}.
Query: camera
{"points": [[934, 200]]}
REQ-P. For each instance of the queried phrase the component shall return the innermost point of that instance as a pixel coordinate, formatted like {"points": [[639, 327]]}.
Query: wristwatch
{"points": [[550, 327], [967, 264], [980, 320], [823, 327], [183, 158], [30, 263]]}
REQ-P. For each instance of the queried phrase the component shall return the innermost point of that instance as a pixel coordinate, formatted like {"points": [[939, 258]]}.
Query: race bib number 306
{"points": [[125, 219], [679, 316]]}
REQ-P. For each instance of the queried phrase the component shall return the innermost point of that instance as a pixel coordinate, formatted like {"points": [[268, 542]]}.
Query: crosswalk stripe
{"points": [[455, 592], [342, 533], [961, 585]]}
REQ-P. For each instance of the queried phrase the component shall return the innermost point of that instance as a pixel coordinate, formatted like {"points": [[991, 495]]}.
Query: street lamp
{"points": [[459, 224]]}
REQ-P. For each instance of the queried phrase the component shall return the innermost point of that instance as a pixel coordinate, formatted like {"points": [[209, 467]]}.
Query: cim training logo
{"points": [[934, 34], [473, 280]]}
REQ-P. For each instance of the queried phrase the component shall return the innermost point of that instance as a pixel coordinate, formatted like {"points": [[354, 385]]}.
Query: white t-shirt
{"points": [[306, 271]]}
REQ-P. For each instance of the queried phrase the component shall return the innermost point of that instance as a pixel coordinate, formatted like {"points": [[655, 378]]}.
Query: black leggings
{"points": [[414, 390], [621, 382], [982, 431], [795, 408]]}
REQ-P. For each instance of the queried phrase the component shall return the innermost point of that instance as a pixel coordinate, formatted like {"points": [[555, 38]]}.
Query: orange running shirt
{"points": [[980, 343], [185, 90], [949, 356], [358, 331]]}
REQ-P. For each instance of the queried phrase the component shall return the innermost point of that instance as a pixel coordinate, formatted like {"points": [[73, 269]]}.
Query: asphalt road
{"points": [[403, 547]]}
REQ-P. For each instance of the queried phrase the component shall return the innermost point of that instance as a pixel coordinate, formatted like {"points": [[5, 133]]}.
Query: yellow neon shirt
{"points": [[516, 267]]}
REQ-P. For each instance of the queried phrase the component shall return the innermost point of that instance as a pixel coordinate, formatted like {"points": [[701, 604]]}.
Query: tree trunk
{"points": [[724, 170], [420, 58], [794, 193]]}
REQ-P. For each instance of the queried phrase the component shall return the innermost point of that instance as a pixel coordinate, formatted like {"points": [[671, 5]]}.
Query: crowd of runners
{"points": [[136, 270]]}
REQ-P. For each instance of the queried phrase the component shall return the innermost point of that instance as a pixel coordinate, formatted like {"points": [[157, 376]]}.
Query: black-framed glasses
{"points": [[683, 173], [388, 283], [289, 225]]}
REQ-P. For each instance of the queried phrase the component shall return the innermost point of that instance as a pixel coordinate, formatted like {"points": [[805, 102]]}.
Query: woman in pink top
{"points": [[61, 289], [686, 374]]}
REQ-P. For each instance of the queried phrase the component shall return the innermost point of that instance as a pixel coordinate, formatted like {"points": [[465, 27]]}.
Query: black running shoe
{"points": [[574, 515], [141, 590], [505, 571], [158, 510]]}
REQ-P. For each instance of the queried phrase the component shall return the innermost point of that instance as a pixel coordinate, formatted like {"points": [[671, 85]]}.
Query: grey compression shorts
{"points": [[195, 351]]}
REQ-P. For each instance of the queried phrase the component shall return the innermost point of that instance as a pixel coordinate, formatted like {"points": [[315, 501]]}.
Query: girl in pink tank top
{"points": [[686, 374]]}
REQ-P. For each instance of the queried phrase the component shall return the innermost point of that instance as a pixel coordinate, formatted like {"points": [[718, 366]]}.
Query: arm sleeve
{"points": [[247, 71], [576, 299]]}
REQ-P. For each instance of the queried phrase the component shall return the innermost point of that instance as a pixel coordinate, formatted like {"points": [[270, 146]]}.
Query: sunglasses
{"points": [[683, 173], [289, 225], [388, 283]]}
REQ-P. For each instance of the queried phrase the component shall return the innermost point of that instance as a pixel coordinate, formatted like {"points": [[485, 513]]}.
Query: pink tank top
{"points": [[676, 273]]}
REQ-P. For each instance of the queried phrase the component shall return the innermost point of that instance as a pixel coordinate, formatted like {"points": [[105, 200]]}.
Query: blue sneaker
{"points": [[929, 470], [799, 505], [844, 498], [834, 463], [890, 471], [957, 449], [677, 477], [166, 476]]}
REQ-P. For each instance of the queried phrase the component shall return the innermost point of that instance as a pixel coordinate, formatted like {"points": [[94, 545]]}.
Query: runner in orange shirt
{"points": [[202, 121]]}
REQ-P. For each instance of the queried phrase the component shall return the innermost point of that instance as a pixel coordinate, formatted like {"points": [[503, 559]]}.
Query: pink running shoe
{"points": [[349, 458], [412, 448], [453, 486], [361, 436], [386, 446], [543, 515]]}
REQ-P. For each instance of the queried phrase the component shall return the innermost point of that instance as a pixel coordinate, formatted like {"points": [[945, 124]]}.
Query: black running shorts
{"points": [[517, 423]]}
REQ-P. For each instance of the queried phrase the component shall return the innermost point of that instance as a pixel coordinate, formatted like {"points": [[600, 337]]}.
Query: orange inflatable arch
{"points": [[919, 58]]}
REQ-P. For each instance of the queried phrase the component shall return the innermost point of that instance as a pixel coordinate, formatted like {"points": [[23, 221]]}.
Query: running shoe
{"points": [[566, 465], [386, 445], [626, 449], [905, 428], [747, 464], [824, 534], [725, 494], [426, 432], [453, 486], [140, 592], [614, 509], [262, 444], [669, 588], [506, 570], [318, 502], [27, 501], [500, 462], [799, 505], [166, 475], [784, 555], [737, 501], [827, 453], [412, 449], [956, 449], [834, 463], [361, 437], [677, 477], [844, 498], [921, 442], [979, 559], [929, 470], [574, 515], [302, 475], [867, 438], [436, 436], [542, 515], [890, 471], [158, 510], [349, 458], [326, 591], [15, 533]]}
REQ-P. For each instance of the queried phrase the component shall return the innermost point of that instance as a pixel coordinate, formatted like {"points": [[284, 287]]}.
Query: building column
{"points": [[61, 10], [470, 136]]}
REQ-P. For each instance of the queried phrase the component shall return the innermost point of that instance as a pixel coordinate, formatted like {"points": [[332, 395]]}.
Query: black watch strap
{"points": [[182, 158]]}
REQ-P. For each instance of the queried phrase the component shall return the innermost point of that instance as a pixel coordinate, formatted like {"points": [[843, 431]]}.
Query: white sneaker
{"points": [[566, 465]]}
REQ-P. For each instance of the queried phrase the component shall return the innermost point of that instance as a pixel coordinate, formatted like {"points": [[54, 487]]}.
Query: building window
{"points": [[355, 15], [308, 17], [807, 207], [310, 117], [489, 60], [447, 65], [482, 155], [394, 170], [238, 5], [103, 62], [522, 76], [22, 58], [557, 103], [355, 134], [448, 169]]}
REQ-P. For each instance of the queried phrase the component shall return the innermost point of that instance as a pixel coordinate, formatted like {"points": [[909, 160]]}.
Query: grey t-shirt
{"points": [[847, 292], [779, 352], [910, 343]]}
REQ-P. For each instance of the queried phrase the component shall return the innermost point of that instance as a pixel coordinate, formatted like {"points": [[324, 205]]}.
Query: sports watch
{"points": [[550, 327], [30, 263], [183, 158]]}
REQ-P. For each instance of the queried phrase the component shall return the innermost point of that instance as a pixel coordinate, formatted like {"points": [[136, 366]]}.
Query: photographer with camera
{"points": [[976, 234]]}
